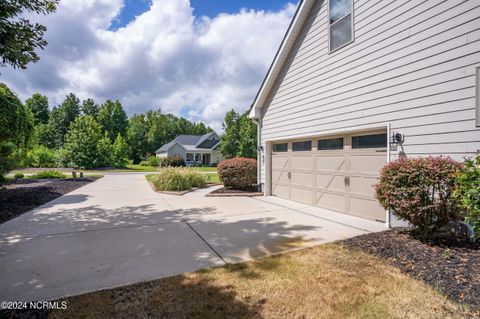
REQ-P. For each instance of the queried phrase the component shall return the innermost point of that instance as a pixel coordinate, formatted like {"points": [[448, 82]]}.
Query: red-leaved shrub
{"points": [[419, 190], [238, 172]]}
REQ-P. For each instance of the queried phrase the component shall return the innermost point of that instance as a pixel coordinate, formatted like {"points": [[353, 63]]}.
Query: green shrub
{"points": [[238, 173], [152, 161], [177, 179], [467, 192], [174, 161], [40, 156], [18, 175], [419, 190], [48, 174]]}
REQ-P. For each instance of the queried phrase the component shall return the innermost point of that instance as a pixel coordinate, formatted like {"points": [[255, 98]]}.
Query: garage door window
{"points": [[302, 146], [369, 141], [330, 144], [280, 147]]}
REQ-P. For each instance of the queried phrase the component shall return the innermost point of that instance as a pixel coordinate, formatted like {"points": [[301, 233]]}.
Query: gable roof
{"points": [[301, 15], [191, 142]]}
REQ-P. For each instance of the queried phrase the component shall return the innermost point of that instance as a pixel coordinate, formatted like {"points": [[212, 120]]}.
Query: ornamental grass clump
{"points": [[467, 192], [420, 191], [178, 179]]}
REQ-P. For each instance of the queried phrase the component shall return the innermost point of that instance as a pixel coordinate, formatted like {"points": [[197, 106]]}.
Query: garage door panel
{"points": [[302, 195], [280, 177], [332, 201], [302, 179], [281, 191], [331, 182], [367, 208], [302, 162], [279, 162], [331, 163], [362, 185], [367, 163]]}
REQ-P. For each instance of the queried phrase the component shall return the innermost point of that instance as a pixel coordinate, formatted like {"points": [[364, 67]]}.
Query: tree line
{"points": [[82, 134]]}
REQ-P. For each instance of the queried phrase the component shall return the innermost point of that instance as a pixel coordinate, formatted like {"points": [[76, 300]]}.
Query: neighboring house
{"points": [[349, 75], [194, 149]]}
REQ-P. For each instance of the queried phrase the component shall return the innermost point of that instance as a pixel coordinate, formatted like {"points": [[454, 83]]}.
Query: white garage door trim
{"points": [[311, 181]]}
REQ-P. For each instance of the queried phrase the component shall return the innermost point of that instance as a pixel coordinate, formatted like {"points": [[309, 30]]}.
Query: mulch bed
{"points": [[226, 192], [455, 271], [20, 196]]}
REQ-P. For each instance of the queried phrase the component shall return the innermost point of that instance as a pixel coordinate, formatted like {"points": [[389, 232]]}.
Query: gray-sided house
{"points": [[358, 83], [194, 149]]}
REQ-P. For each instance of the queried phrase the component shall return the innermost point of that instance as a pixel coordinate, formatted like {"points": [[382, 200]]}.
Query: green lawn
{"points": [[129, 168], [139, 168]]}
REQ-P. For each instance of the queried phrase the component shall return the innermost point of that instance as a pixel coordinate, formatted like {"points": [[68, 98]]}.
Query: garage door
{"points": [[336, 172]]}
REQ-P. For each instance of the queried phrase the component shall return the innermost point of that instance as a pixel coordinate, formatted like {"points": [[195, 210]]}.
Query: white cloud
{"points": [[164, 58]]}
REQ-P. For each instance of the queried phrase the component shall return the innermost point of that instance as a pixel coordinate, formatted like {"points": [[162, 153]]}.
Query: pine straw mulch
{"points": [[455, 271]]}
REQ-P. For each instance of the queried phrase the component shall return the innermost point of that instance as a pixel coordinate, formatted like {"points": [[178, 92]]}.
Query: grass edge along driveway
{"points": [[327, 281]]}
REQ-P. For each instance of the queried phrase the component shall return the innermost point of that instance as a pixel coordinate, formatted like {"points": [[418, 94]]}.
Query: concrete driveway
{"points": [[117, 231]]}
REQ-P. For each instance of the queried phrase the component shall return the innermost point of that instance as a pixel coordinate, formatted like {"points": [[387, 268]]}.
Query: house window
{"points": [[280, 147], [330, 144], [302, 146], [340, 14], [478, 96], [369, 141]]}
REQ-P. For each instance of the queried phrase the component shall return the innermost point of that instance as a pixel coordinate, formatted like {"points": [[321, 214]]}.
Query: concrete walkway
{"points": [[117, 231]]}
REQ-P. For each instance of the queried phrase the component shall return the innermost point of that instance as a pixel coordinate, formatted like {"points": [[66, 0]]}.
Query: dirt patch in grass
{"points": [[453, 270], [225, 192], [328, 281], [20, 196]]}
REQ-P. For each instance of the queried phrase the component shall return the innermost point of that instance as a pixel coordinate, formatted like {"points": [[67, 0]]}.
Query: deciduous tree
{"points": [[38, 104], [16, 129], [113, 119], [62, 116], [19, 38], [81, 142]]}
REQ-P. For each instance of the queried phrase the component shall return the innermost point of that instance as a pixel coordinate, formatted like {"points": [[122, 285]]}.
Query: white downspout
{"points": [[258, 122], [388, 222]]}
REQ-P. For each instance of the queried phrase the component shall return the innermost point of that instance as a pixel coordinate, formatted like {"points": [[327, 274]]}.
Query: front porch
{"points": [[198, 159]]}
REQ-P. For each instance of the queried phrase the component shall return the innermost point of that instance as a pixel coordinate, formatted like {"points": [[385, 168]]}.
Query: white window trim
{"points": [[477, 98], [352, 26]]}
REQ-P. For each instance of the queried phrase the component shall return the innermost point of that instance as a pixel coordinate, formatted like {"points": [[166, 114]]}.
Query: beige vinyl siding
{"points": [[412, 66]]}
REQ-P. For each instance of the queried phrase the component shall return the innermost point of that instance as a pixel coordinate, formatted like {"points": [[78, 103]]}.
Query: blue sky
{"points": [[210, 8]]}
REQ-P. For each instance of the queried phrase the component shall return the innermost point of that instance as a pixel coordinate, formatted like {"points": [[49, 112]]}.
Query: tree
{"points": [[16, 129], [248, 137], [44, 135], [89, 107], [81, 142], [104, 151], [120, 152], [62, 117], [19, 38], [38, 104], [136, 137], [230, 144], [113, 119], [240, 136]]}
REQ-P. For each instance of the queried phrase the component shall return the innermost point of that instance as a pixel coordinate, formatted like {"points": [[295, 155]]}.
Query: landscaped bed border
{"points": [[453, 270], [227, 192]]}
